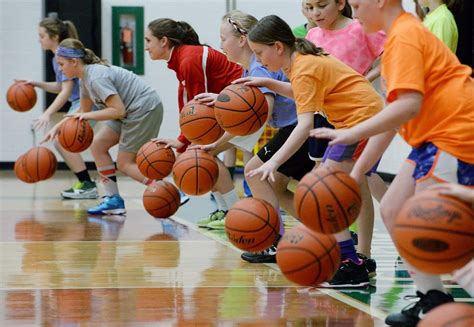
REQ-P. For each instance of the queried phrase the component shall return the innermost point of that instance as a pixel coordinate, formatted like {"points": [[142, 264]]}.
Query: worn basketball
{"points": [[39, 163], [20, 170], [252, 224], [327, 200], [195, 172], [21, 96], [308, 258], [434, 232], [161, 199], [241, 109], [154, 160], [75, 135], [198, 123], [449, 315]]}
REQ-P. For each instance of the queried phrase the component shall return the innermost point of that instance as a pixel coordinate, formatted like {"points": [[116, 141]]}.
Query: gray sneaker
{"points": [[81, 190]]}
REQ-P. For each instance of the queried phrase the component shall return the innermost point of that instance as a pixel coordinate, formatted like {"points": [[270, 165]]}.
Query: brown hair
{"points": [[178, 33], [56, 27], [89, 58], [347, 10], [272, 28]]}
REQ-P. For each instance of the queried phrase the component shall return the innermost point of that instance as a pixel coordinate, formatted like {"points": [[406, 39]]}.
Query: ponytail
{"points": [[178, 33], [56, 27], [306, 47]]}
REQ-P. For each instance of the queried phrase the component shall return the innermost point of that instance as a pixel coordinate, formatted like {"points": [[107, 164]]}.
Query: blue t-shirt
{"points": [[75, 95], [284, 109]]}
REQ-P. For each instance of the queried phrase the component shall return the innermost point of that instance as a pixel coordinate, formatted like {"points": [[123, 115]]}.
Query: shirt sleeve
{"points": [[260, 71], [83, 91], [403, 69], [309, 93], [104, 88]]}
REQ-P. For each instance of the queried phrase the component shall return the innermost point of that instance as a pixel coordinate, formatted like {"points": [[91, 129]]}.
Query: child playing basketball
{"points": [[51, 32], [318, 83], [430, 103], [282, 115], [133, 111]]}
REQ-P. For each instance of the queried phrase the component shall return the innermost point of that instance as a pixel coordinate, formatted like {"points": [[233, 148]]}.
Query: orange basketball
{"points": [[198, 123], [161, 199], [449, 315], [252, 224], [195, 172], [155, 161], [306, 257], [75, 135], [241, 109], [20, 170], [21, 96], [39, 163], [327, 200], [435, 233]]}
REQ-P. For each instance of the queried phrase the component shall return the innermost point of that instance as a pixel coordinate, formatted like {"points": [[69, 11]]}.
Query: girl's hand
{"points": [[461, 192], [337, 136], [41, 122], [267, 170], [252, 81], [32, 83], [207, 147], [209, 99], [79, 115], [169, 143], [51, 134]]}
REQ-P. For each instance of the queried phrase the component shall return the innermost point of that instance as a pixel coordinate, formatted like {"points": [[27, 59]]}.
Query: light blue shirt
{"points": [[75, 95]]}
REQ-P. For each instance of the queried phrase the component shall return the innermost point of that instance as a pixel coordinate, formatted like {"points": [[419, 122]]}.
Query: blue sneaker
{"points": [[183, 198], [247, 192], [111, 205]]}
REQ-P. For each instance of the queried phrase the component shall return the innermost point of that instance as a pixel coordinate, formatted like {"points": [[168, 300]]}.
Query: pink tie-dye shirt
{"points": [[351, 44]]}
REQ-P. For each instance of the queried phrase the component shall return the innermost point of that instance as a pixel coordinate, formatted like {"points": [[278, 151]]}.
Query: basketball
{"points": [[75, 135], [252, 224], [20, 170], [198, 123], [327, 200], [195, 172], [449, 315], [308, 258], [240, 109], [154, 160], [39, 163], [435, 233], [21, 96], [161, 199]]}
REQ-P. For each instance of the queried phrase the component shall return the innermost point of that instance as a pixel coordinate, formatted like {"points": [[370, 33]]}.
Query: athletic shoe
{"points": [[265, 256], [183, 198], [111, 205], [350, 275], [370, 265], [215, 215], [81, 190], [354, 237], [218, 223], [412, 313]]}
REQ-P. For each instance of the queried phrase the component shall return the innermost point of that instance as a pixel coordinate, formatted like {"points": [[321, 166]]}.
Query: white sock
{"points": [[106, 173], [425, 282], [230, 198], [221, 205]]}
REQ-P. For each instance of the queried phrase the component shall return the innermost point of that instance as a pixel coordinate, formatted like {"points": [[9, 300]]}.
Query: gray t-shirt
{"points": [[100, 81]]}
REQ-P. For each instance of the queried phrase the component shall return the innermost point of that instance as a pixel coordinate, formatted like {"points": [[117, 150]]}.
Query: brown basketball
{"points": [[306, 257], [241, 109], [75, 135], [195, 172], [252, 225], [198, 123], [39, 163], [449, 315], [327, 200], [154, 160], [435, 233], [21, 96], [161, 199], [20, 170]]}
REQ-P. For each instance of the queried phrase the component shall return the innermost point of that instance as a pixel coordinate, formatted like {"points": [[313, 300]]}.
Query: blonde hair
{"points": [[63, 29], [89, 58], [242, 21]]}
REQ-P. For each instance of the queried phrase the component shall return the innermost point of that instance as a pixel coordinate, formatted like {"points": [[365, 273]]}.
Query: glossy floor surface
{"points": [[60, 267]]}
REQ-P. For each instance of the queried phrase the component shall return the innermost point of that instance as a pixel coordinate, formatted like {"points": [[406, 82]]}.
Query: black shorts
{"points": [[317, 147], [299, 163]]}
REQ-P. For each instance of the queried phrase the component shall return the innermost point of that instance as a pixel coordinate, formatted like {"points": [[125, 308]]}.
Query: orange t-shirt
{"points": [[415, 59], [323, 83]]}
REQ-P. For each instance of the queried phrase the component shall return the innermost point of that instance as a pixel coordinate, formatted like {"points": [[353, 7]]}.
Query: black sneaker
{"points": [[412, 313], [354, 237], [349, 274], [266, 256], [370, 265]]}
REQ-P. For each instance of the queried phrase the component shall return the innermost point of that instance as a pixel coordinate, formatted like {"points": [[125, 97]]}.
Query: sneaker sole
{"points": [[358, 285], [109, 212], [79, 197]]}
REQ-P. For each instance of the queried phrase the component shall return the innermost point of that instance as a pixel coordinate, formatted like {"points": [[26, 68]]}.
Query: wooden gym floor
{"points": [[59, 267]]}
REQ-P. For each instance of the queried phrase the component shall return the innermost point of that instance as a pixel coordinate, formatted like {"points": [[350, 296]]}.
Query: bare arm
{"points": [[282, 88], [115, 109], [374, 71], [51, 87]]}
